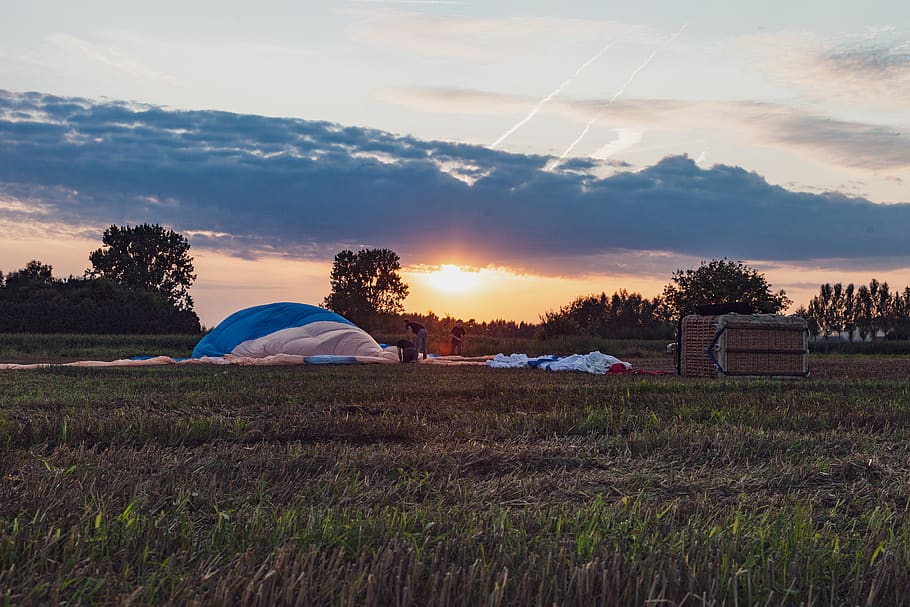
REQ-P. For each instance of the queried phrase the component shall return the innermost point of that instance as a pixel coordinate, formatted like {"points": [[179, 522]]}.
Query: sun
{"points": [[452, 279]]}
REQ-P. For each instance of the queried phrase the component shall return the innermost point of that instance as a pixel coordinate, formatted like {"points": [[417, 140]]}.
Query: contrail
{"points": [[555, 163], [555, 92]]}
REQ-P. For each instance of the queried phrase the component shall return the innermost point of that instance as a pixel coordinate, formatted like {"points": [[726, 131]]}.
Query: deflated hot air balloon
{"points": [[289, 328]]}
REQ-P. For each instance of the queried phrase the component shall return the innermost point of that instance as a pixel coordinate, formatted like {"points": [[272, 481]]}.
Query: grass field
{"points": [[421, 485]]}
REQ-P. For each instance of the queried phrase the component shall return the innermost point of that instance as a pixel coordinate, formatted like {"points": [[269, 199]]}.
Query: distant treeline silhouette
{"points": [[33, 301], [622, 315], [391, 324], [864, 312]]}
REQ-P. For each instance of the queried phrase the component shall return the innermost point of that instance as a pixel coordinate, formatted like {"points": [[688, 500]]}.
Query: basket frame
{"points": [[735, 345]]}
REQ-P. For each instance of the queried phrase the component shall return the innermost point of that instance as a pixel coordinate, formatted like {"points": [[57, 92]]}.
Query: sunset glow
{"points": [[453, 279], [557, 171]]}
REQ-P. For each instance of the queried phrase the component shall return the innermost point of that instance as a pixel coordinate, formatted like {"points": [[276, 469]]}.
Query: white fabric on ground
{"points": [[593, 362], [512, 361]]}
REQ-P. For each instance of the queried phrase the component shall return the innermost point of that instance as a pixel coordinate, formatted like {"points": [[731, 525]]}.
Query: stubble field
{"points": [[421, 485]]}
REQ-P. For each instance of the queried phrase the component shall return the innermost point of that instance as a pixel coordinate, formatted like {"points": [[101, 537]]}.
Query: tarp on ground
{"points": [[593, 362]]}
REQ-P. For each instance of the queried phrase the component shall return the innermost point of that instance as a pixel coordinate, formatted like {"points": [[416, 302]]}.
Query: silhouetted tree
{"points": [[147, 257], [719, 282], [820, 310], [836, 310], [34, 272], [902, 315], [850, 310], [881, 303], [365, 285], [865, 312], [811, 323]]}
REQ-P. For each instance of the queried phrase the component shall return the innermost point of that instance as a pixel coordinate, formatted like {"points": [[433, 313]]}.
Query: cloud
{"points": [[880, 72], [453, 100], [625, 138], [871, 70], [843, 143], [107, 56], [253, 185], [477, 39], [848, 144]]}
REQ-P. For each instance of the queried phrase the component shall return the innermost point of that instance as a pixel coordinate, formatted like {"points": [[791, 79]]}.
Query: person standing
{"points": [[458, 333], [420, 335]]}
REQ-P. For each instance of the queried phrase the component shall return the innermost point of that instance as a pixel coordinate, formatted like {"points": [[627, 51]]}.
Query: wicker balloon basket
{"points": [[743, 345]]}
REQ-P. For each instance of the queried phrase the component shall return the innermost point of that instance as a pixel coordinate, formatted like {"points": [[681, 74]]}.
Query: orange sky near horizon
{"points": [[226, 284]]}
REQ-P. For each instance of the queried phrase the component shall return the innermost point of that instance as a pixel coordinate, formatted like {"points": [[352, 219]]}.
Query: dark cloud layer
{"points": [[251, 184]]}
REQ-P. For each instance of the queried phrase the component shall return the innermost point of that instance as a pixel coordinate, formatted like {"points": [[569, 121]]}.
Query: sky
{"points": [[516, 155]]}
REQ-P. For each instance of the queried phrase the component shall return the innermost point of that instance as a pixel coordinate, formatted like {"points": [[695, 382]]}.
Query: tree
{"points": [[882, 304], [34, 272], [719, 282], [837, 308], [820, 310], [865, 311], [365, 285], [901, 311], [811, 322], [850, 310], [147, 257]]}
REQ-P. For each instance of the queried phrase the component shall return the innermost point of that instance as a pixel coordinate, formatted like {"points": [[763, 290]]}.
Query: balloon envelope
{"points": [[286, 328]]}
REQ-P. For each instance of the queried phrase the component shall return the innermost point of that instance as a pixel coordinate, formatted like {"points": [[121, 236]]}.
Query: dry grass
{"points": [[409, 485]]}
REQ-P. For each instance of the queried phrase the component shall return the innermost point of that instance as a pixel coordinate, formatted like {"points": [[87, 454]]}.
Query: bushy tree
{"points": [[33, 273], [147, 257], [720, 281], [366, 285]]}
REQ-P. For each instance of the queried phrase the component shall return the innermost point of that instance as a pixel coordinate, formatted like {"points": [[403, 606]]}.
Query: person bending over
{"points": [[407, 353], [420, 336]]}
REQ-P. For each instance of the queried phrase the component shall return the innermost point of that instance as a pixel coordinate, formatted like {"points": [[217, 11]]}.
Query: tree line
{"points": [[367, 289], [138, 283], [620, 316], [139, 280], [629, 315], [863, 312]]}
